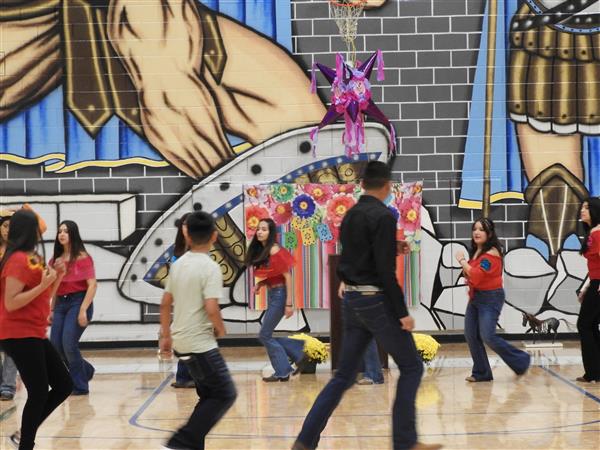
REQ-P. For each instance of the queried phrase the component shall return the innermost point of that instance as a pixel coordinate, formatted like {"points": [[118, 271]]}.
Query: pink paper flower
{"points": [[337, 208], [321, 193], [282, 213], [254, 214], [410, 219]]}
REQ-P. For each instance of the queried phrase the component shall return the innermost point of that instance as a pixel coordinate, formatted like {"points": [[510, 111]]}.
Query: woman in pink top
{"points": [[72, 306], [589, 314]]}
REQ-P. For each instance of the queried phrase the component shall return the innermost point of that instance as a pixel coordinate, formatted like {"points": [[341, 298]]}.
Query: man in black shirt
{"points": [[373, 306]]}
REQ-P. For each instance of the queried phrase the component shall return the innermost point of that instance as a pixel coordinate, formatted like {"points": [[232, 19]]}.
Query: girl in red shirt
{"points": [[589, 314], [72, 306], [8, 370], [483, 272], [272, 264], [26, 285]]}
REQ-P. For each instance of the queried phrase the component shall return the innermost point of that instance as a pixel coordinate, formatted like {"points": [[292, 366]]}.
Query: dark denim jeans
{"points": [[363, 318], [182, 375], [217, 393], [65, 334], [480, 328], [372, 363], [280, 350]]}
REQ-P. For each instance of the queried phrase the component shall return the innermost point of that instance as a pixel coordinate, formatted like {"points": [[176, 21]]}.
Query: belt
{"points": [[365, 289]]}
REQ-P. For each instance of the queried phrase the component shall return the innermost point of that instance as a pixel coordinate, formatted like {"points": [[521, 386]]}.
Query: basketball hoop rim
{"points": [[349, 4]]}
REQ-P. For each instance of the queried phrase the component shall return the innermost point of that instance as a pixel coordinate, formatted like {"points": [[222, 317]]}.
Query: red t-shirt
{"points": [[486, 273], [592, 254], [32, 319], [78, 272], [278, 264]]}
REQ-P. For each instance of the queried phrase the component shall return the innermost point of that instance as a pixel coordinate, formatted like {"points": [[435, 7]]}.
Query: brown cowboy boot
{"points": [[554, 196]]}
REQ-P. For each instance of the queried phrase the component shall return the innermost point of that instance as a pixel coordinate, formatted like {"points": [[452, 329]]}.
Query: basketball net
{"points": [[346, 14]]}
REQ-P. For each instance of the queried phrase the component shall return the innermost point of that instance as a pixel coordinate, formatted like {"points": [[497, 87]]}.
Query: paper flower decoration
{"points": [[321, 193], [410, 220], [254, 214], [338, 207], [351, 100], [282, 192], [303, 206], [281, 213]]}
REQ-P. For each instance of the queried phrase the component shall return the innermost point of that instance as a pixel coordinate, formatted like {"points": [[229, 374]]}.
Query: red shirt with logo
{"points": [[486, 273], [32, 319], [592, 254]]}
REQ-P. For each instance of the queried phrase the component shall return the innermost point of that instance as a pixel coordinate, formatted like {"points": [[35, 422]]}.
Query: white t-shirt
{"points": [[193, 278]]}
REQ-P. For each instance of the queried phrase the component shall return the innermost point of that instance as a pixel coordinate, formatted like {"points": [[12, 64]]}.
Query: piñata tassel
{"points": [[313, 79], [392, 139], [380, 74], [339, 66], [314, 136]]}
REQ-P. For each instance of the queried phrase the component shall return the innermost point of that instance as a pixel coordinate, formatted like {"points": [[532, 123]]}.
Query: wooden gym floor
{"points": [[132, 406]]}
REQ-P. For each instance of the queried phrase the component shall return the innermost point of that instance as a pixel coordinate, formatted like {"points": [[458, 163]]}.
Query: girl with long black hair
{"points": [[72, 306], [589, 314], [26, 286], [272, 264], [483, 272]]}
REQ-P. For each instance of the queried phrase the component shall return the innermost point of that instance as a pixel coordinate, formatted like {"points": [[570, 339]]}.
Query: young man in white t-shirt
{"points": [[192, 293]]}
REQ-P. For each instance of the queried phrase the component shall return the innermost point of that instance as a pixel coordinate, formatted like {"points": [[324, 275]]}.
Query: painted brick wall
{"points": [[430, 49]]}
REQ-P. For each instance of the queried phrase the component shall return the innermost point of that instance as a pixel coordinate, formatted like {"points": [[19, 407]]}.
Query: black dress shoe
{"points": [[274, 379], [585, 379]]}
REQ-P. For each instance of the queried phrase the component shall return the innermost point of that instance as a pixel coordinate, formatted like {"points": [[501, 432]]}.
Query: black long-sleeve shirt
{"points": [[368, 238]]}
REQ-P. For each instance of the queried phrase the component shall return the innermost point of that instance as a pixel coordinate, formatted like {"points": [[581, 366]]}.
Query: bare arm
{"points": [[464, 264], [214, 315], [289, 301], [166, 308], [16, 298], [92, 285]]}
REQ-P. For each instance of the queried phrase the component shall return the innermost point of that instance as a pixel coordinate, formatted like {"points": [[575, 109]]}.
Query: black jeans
{"points": [[217, 393], [587, 325], [365, 317], [40, 366]]}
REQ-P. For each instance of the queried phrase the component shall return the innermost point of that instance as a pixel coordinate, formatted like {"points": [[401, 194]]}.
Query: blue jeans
{"points": [[481, 318], [8, 374], [183, 375], [217, 393], [65, 334], [363, 318], [280, 350], [372, 363]]}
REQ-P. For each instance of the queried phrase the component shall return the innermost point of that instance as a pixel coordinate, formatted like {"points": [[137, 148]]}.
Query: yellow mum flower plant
{"points": [[313, 348], [427, 347]]}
